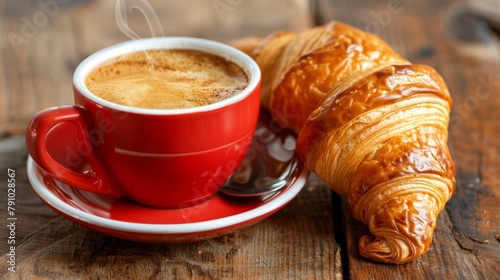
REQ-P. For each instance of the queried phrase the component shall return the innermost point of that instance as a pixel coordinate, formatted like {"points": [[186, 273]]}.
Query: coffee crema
{"points": [[167, 79]]}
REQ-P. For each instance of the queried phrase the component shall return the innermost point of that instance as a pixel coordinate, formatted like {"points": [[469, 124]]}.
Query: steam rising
{"points": [[148, 12]]}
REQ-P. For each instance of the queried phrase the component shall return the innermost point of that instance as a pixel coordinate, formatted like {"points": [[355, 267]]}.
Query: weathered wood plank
{"points": [[34, 62]]}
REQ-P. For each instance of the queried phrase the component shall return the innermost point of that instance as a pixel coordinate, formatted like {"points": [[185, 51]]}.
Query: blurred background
{"points": [[42, 41]]}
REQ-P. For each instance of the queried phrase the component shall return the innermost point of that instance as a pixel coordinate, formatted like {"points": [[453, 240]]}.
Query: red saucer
{"points": [[125, 219], [122, 218]]}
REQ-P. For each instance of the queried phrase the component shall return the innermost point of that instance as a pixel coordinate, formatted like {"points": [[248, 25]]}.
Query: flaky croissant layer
{"points": [[369, 123]]}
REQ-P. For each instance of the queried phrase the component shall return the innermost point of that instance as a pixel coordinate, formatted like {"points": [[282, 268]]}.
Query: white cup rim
{"points": [[232, 54]]}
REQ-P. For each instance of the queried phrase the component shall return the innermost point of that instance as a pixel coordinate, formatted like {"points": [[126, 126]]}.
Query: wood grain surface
{"points": [[315, 236]]}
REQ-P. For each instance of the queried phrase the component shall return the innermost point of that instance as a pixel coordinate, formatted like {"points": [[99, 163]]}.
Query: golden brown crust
{"points": [[370, 124], [321, 61], [382, 105]]}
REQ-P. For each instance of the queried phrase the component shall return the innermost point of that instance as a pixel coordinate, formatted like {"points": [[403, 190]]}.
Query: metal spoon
{"points": [[259, 183], [266, 172]]}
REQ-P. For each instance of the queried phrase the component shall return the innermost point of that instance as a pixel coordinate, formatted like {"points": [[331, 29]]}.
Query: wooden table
{"points": [[315, 236]]}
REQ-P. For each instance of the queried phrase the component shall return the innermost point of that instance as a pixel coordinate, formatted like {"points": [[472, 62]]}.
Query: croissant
{"points": [[372, 125]]}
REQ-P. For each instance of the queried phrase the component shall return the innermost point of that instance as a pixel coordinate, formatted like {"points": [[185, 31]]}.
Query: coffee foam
{"points": [[167, 79]]}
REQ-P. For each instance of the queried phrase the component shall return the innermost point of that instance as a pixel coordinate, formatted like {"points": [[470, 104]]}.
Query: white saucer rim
{"points": [[147, 228]]}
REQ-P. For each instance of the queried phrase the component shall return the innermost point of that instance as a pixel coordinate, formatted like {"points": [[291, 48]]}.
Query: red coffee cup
{"points": [[165, 158]]}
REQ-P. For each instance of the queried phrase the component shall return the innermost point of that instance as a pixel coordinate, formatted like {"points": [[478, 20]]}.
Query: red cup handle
{"points": [[98, 179]]}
